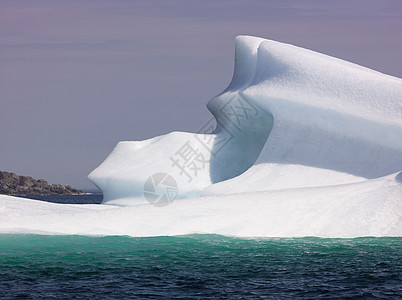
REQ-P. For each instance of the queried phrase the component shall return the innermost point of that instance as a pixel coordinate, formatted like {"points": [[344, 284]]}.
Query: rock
{"points": [[12, 184]]}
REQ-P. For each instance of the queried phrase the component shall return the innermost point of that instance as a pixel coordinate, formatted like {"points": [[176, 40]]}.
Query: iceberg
{"points": [[290, 118], [300, 144]]}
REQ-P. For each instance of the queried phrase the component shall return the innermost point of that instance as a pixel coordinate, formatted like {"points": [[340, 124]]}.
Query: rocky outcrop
{"points": [[12, 184]]}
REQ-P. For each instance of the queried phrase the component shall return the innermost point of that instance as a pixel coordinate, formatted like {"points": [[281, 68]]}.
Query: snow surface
{"points": [[301, 144]]}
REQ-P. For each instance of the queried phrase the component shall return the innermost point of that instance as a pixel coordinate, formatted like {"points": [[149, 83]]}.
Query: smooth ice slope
{"points": [[369, 208], [290, 118]]}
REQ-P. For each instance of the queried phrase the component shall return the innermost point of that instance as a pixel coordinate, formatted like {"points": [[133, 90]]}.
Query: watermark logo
{"points": [[160, 189], [189, 161], [239, 113], [213, 145], [239, 110]]}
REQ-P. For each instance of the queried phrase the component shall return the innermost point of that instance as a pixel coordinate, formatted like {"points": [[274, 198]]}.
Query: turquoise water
{"points": [[198, 266]]}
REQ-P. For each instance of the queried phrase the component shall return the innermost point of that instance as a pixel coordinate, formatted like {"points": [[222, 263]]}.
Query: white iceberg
{"points": [[304, 145], [290, 118]]}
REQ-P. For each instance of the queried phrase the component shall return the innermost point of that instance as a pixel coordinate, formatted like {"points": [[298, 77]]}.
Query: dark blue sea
{"points": [[197, 266]]}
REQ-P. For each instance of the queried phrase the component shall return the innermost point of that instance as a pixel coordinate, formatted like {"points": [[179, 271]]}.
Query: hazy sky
{"points": [[76, 77]]}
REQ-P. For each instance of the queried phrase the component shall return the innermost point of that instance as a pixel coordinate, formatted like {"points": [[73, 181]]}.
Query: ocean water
{"points": [[90, 198], [198, 267]]}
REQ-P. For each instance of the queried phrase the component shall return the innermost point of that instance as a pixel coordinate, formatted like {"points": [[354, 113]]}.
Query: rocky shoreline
{"points": [[13, 184]]}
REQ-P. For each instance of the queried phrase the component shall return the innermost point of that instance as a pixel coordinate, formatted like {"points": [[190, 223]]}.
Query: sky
{"points": [[76, 77]]}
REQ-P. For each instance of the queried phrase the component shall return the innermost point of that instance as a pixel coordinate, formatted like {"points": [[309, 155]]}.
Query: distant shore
{"points": [[13, 184]]}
